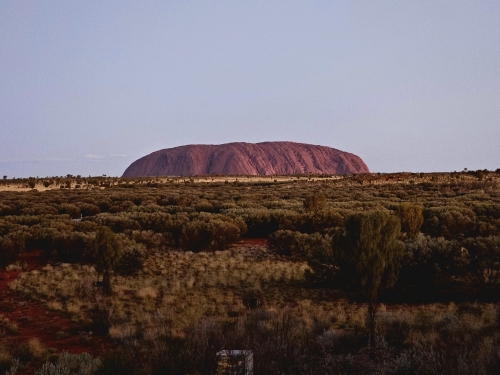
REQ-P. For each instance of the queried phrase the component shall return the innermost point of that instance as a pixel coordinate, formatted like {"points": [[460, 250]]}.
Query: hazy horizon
{"points": [[87, 88]]}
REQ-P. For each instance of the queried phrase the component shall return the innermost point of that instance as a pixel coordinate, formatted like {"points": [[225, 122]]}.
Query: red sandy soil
{"points": [[52, 329]]}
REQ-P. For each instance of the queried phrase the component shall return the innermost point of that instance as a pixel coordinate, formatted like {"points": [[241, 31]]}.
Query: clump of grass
{"points": [[147, 292], [14, 267], [37, 349], [54, 305], [7, 326]]}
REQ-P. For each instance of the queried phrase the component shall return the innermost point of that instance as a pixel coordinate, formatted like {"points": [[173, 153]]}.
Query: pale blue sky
{"points": [[86, 87]]}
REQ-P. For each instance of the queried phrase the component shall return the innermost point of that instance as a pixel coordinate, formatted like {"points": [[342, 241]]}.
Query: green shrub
{"points": [[287, 242], [132, 258], [70, 209], [320, 221], [260, 223], [209, 235], [449, 222], [315, 203], [411, 219]]}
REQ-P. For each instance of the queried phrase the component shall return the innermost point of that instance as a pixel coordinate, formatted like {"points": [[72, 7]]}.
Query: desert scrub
{"points": [[425, 325], [184, 285], [67, 363]]}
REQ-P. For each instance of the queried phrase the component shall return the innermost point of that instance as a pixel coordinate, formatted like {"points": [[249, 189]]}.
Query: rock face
{"points": [[239, 158]]}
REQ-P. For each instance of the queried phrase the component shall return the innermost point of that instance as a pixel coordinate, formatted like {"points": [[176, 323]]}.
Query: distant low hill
{"points": [[239, 158]]}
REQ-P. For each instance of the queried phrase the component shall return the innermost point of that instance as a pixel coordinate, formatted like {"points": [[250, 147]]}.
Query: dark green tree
{"points": [[366, 255], [411, 219], [107, 253]]}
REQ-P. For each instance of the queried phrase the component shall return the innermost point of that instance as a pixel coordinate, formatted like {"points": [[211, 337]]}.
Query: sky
{"points": [[87, 87]]}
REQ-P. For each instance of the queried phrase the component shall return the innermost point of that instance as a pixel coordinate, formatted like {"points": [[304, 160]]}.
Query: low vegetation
{"points": [[194, 266]]}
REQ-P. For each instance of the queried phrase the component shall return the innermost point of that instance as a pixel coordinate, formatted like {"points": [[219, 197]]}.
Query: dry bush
{"points": [[37, 349], [101, 310], [31, 350], [67, 363], [5, 357]]}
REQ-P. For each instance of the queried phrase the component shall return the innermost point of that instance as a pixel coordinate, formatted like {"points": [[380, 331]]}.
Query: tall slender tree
{"points": [[107, 254], [411, 219], [366, 256]]}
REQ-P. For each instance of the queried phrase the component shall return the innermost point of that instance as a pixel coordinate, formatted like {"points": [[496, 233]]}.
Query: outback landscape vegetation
{"points": [[316, 274], [286, 203]]}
